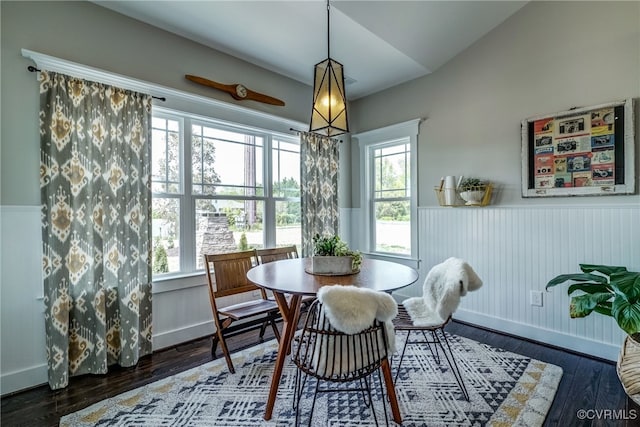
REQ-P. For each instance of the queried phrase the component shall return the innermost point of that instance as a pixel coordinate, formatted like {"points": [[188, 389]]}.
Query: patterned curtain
{"points": [[95, 153], [319, 175]]}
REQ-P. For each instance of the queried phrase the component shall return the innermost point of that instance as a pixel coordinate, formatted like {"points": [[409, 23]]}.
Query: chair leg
{"points": [[451, 360], [299, 390], [364, 385], [313, 405], [404, 348], [296, 392], [225, 351], [382, 397], [263, 328], [272, 321], [214, 345], [373, 410], [433, 348]]}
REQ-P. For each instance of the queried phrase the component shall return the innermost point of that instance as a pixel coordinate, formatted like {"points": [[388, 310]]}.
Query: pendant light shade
{"points": [[329, 111]]}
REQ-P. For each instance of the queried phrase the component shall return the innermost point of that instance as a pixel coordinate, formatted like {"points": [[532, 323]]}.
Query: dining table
{"points": [[290, 280]]}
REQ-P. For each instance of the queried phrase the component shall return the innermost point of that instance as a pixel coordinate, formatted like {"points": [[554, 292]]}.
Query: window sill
{"points": [[178, 281], [406, 260]]}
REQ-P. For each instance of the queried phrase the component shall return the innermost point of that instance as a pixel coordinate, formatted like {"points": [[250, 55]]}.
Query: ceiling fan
{"points": [[237, 91]]}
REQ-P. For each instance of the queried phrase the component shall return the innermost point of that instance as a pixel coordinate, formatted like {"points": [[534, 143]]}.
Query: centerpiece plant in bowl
{"points": [[472, 190], [610, 291], [332, 256]]}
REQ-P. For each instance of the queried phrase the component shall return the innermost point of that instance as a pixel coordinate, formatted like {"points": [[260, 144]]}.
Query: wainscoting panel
{"points": [[23, 355], [516, 250]]}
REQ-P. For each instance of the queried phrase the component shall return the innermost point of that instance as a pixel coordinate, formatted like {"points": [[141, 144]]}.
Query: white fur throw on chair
{"points": [[351, 310], [441, 292]]}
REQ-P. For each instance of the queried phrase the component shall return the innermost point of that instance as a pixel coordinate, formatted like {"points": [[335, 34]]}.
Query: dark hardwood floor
{"points": [[587, 384]]}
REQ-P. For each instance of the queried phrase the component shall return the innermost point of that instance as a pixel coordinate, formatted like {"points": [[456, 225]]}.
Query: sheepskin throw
{"points": [[445, 284], [351, 310]]}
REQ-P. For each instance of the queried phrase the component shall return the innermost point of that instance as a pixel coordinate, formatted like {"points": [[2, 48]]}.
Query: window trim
{"points": [[369, 141]]}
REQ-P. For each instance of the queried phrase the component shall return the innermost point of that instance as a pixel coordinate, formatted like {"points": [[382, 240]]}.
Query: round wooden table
{"points": [[290, 277]]}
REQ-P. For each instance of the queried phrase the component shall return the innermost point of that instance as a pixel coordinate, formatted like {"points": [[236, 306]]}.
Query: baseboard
{"points": [[531, 332], [37, 375], [181, 335], [33, 376], [546, 336]]}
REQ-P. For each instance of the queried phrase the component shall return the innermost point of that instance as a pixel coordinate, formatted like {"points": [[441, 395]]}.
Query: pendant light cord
{"points": [[328, 32]]}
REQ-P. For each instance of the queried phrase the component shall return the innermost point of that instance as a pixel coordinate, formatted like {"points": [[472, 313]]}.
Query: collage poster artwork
{"points": [[575, 151]]}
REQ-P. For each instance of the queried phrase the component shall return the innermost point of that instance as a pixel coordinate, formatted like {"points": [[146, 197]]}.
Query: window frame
{"points": [[187, 218], [401, 133]]}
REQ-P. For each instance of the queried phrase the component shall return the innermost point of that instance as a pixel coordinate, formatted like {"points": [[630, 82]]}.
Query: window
{"points": [[388, 189], [167, 188], [285, 161], [239, 189], [391, 198]]}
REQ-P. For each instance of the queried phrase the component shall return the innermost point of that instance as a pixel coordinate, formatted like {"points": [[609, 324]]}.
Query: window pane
{"points": [[286, 169], [393, 227], [166, 235], [288, 225], [228, 226], [165, 166], [391, 171], [225, 162]]}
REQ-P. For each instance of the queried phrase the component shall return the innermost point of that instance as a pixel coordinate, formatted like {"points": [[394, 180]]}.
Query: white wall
{"points": [[547, 57]]}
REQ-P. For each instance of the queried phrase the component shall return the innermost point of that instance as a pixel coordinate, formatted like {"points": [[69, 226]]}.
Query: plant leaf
{"points": [[604, 269], [578, 277], [583, 305], [589, 288], [627, 285], [604, 308], [626, 314]]}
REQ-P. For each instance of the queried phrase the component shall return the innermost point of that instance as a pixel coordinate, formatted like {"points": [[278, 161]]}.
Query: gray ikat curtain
{"points": [[319, 175], [95, 161]]}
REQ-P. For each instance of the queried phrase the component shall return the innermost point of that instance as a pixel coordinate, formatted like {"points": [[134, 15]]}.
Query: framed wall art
{"points": [[580, 152]]}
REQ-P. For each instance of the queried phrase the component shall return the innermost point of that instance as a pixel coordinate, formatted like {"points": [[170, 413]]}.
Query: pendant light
{"points": [[329, 112]]}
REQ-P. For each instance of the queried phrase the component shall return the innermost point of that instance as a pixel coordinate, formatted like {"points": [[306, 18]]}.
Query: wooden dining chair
{"points": [[227, 276], [276, 254]]}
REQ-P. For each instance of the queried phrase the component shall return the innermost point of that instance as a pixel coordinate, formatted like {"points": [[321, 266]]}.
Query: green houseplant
{"points": [[334, 246], [472, 190], [472, 184], [611, 291]]}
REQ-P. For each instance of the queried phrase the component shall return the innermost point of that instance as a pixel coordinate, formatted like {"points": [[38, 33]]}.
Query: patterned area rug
{"points": [[505, 389]]}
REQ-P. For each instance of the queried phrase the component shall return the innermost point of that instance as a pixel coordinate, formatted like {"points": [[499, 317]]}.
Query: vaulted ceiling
{"points": [[380, 43]]}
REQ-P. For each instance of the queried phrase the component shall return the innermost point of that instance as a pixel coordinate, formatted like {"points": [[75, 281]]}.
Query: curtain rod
{"points": [[298, 131], [33, 69]]}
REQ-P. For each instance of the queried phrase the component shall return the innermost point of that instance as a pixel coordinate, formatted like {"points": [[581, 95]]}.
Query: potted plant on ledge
{"points": [[332, 256], [611, 291], [472, 191]]}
